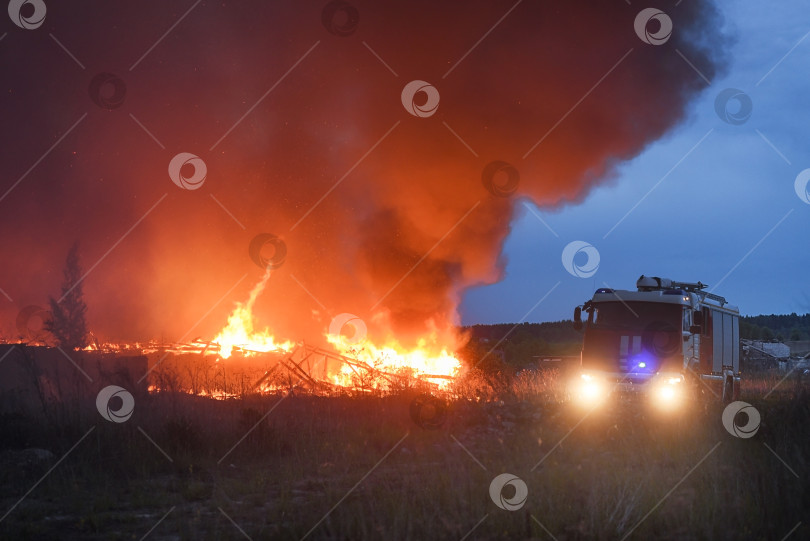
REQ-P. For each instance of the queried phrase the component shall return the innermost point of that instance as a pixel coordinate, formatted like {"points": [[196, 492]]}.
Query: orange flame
{"points": [[436, 365], [239, 333]]}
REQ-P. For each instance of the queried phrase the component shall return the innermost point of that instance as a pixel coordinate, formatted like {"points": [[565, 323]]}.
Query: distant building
{"points": [[763, 355]]}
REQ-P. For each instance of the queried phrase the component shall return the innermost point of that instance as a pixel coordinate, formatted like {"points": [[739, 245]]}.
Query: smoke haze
{"points": [[410, 224]]}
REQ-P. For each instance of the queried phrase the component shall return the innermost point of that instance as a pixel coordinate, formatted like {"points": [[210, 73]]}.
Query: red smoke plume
{"points": [[384, 214]]}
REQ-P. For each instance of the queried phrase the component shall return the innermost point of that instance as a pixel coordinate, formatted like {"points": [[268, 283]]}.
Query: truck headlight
{"points": [[668, 392], [589, 390]]}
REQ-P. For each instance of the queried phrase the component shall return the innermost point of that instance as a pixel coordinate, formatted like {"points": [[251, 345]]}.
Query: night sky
{"points": [[394, 206]]}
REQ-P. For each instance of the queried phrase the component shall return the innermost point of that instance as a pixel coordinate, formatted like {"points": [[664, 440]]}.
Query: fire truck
{"points": [[666, 341]]}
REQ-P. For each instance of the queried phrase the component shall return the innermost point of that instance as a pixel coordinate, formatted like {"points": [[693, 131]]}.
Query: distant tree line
{"points": [[776, 327], [519, 344]]}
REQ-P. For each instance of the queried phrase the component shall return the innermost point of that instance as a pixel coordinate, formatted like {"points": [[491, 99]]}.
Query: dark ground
{"points": [[350, 467]]}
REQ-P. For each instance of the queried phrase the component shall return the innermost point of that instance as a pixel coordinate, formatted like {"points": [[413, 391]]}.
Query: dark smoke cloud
{"points": [[402, 235]]}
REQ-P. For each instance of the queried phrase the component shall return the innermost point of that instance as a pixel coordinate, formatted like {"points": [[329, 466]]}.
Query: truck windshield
{"points": [[633, 336], [634, 315]]}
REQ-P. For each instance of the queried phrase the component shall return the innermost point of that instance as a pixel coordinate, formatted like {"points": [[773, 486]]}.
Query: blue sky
{"points": [[726, 189]]}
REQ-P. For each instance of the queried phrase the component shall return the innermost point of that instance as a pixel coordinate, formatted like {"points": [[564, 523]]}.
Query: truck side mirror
{"points": [[694, 329], [578, 318], [697, 317]]}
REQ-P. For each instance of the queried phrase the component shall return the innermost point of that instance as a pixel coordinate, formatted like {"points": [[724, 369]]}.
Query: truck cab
{"points": [[665, 340]]}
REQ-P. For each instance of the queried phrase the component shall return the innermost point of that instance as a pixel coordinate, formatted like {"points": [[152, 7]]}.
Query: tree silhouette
{"points": [[68, 324]]}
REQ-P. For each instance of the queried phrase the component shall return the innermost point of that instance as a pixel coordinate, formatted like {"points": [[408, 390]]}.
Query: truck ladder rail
{"points": [[698, 288]]}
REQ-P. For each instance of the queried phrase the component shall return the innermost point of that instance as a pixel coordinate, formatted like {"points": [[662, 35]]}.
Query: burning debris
{"points": [[198, 369], [257, 361], [323, 371], [354, 362]]}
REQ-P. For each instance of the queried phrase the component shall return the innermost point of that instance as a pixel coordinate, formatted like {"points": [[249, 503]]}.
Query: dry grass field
{"points": [[294, 466]]}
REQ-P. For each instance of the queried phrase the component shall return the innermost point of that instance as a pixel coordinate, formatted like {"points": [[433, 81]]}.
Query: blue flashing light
{"points": [[604, 290], [644, 362]]}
